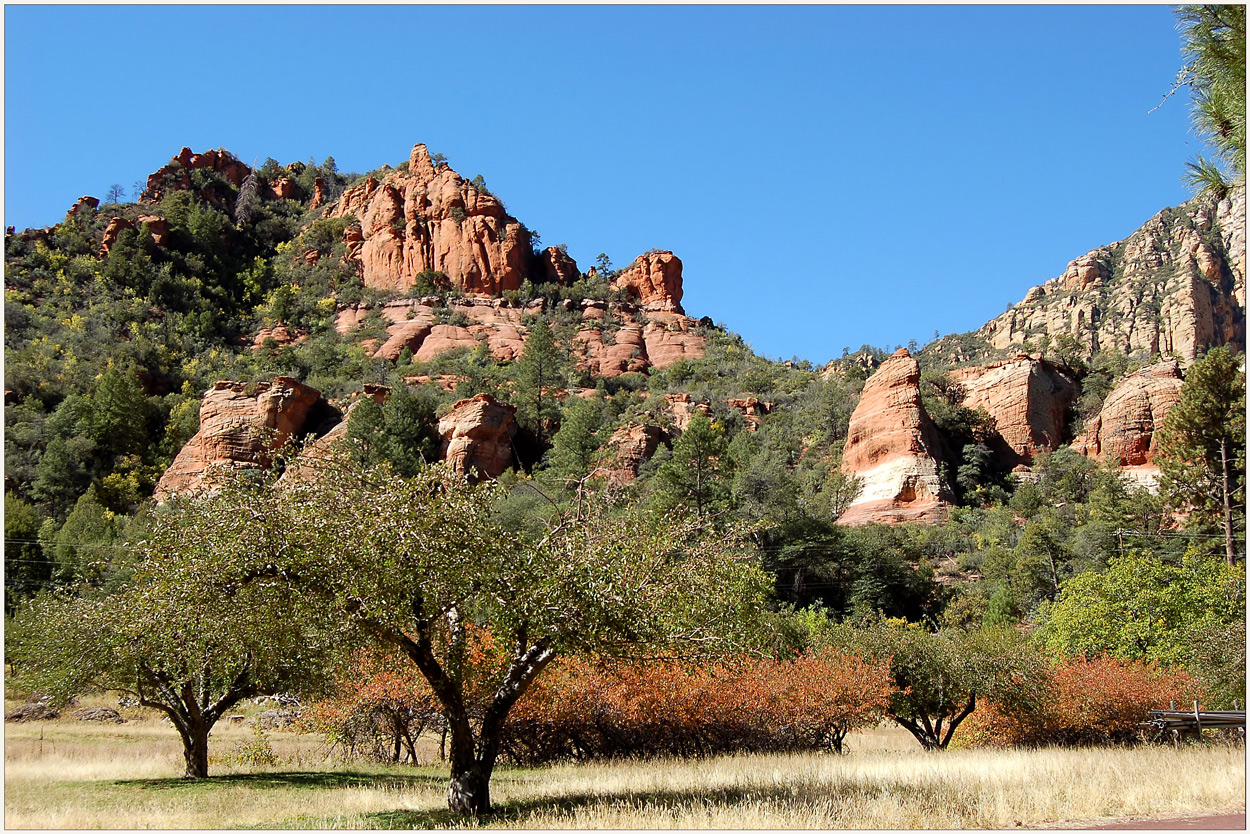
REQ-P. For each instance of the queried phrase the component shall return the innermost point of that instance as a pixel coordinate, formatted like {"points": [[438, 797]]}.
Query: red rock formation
{"points": [[752, 410], [158, 227], [671, 338], [432, 219], [893, 448], [237, 429], [285, 188], [84, 205], [319, 194], [176, 175], [682, 409], [281, 335], [557, 267], [1125, 431], [1028, 400], [477, 436], [626, 451], [654, 280]]}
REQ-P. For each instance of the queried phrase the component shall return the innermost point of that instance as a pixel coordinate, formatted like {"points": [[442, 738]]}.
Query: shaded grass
{"points": [[128, 777]]}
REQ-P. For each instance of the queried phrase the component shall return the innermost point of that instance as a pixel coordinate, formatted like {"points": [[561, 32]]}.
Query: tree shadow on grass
{"points": [[305, 780], [661, 801]]}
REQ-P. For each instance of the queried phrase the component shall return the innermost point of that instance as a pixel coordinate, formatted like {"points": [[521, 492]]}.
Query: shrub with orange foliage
{"points": [[380, 707], [584, 710], [1088, 701]]}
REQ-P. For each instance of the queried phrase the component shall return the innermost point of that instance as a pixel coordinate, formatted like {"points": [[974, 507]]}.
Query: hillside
{"points": [[407, 310]]}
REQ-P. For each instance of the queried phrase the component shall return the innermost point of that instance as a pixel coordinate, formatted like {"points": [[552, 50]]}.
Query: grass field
{"points": [[67, 774]]}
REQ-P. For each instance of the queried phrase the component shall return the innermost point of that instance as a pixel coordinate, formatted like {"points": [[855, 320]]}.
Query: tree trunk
{"points": [[195, 751], [469, 791]]}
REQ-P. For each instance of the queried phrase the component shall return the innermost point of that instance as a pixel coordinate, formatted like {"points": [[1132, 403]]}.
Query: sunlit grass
{"points": [[66, 774]]}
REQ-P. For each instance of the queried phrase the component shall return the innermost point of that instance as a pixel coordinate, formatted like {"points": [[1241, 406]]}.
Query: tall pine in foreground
{"points": [[1203, 446]]}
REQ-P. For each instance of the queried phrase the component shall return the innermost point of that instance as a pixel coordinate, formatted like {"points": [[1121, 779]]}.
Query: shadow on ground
{"points": [[518, 811], [308, 780]]}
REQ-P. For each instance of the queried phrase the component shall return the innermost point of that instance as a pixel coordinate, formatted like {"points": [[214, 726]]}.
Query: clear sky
{"points": [[829, 175]]}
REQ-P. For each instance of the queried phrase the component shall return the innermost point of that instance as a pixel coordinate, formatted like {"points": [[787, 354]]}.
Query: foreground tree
{"points": [[420, 565], [1202, 448], [175, 636], [1214, 45]]}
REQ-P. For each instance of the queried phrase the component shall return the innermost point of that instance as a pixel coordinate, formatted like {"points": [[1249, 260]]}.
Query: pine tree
{"points": [[1202, 446]]}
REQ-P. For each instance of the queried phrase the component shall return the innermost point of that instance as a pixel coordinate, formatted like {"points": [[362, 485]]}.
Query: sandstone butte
{"points": [[1028, 399], [477, 436], [237, 429], [1173, 287], [894, 449], [1126, 429]]}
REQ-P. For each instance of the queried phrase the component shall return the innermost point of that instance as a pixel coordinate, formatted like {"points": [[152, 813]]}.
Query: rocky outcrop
{"points": [[280, 334], [319, 194], [431, 219], [682, 409], [751, 409], [84, 206], [237, 428], [626, 451], [477, 436], [1173, 287], [612, 341], [157, 226], [1126, 429], [653, 280], [894, 449], [558, 267], [177, 174], [1028, 399]]}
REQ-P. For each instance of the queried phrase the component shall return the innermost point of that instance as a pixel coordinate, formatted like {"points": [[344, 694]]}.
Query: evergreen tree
{"points": [[1214, 44], [695, 472], [1202, 447], [539, 369]]}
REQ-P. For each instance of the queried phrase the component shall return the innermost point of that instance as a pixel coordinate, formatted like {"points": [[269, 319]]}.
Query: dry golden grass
{"points": [[65, 774]]}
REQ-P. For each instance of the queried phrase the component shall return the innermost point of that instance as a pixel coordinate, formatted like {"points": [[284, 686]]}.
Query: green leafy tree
{"points": [[696, 473], [1142, 607], [1202, 447], [420, 565], [402, 430], [26, 569], [176, 636], [939, 677]]}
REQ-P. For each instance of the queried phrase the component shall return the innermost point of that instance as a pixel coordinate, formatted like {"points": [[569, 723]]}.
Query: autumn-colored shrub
{"points": [[1087, 701], [380, 706], [580, 709]]}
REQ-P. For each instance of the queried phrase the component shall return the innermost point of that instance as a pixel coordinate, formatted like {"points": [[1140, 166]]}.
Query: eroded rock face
{"points": [[558, 267], [626, 451], [1028, 399], [654, 280], [893, 447], [177, 174], [429, 218], [752, 410], [1126, 429], [84, 205], [1174, 286], [477, 436], [237, 429], [280, 334], [158, 227]]}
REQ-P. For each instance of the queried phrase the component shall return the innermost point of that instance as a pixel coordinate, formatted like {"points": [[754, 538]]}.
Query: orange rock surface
{"points": [[477, 436], [893, 448], [237, 429], [429, 218]]}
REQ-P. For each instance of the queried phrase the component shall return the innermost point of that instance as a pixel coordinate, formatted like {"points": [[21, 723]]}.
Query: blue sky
{"points": [[829, 175]]}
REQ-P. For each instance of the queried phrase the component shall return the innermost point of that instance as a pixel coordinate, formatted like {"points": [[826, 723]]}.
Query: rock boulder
{"points": [[477, 436]]}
